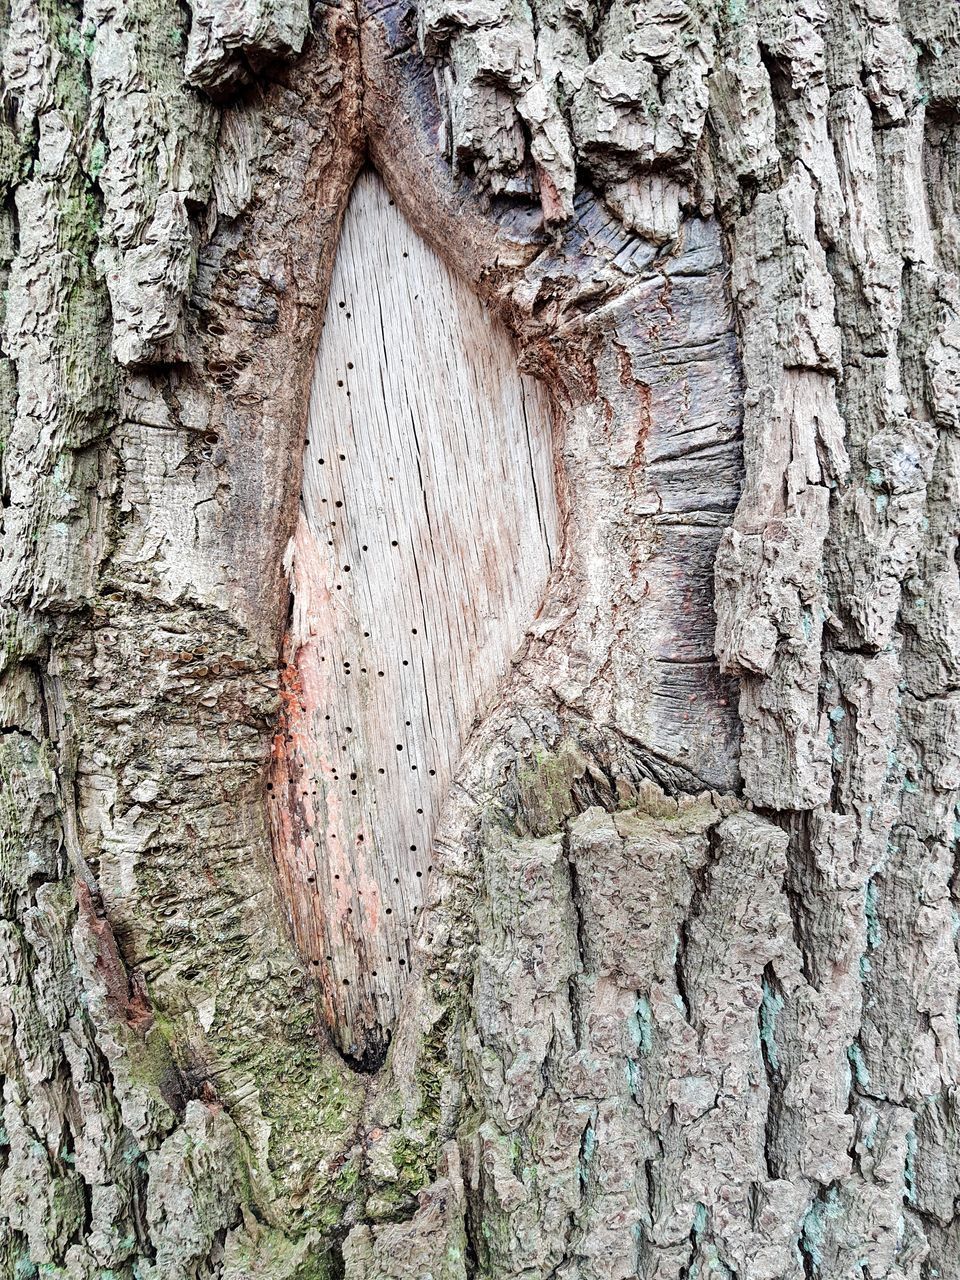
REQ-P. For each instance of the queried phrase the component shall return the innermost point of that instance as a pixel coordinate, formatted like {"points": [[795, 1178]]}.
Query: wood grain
{"points": [[428, 527]]}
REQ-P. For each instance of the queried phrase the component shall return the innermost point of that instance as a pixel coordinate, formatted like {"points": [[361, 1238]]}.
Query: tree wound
{"points": [[427, 530]]}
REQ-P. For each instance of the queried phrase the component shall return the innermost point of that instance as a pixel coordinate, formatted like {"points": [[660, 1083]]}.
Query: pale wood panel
{"points": [[428, 528]]}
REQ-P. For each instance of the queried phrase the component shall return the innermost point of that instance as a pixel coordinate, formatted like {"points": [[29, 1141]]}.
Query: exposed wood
{"points": [[428, 526]]}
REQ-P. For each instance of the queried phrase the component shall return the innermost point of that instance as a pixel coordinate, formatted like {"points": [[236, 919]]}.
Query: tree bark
{"points": [[679, 991]]}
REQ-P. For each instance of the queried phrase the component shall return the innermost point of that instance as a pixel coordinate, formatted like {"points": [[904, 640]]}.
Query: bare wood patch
{"points": [[428, 527]]}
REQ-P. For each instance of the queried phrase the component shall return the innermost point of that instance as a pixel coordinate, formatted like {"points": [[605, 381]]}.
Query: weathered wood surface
{"points": [[428, 527], [458, 469]]}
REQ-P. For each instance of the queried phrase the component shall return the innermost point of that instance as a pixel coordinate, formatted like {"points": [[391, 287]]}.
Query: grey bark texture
{"points": [[684, 992]]}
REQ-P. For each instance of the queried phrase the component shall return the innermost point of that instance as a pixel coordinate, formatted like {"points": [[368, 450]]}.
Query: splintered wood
{"points": [[427, 529]]}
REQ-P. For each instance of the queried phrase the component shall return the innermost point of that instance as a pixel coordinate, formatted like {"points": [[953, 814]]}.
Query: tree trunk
{"points": [[464, 822]]}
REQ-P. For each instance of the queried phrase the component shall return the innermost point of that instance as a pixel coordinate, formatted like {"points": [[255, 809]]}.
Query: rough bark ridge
{"points": [[667, 1020], [161, 1072]]}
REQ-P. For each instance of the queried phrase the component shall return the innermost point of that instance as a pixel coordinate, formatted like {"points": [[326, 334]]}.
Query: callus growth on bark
{"points": [[636, 387]]}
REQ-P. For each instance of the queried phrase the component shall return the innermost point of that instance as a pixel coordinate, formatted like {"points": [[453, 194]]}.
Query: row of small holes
{"points": [[338, 503]]}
